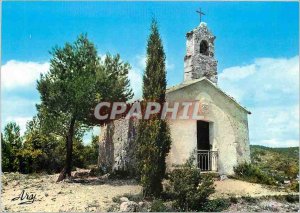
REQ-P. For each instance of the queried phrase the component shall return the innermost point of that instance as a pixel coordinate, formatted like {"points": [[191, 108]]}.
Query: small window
{"points": [[204, 47]]}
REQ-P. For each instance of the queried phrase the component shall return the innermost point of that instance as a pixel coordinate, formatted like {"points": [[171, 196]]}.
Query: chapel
{"points": [[218, 140]]}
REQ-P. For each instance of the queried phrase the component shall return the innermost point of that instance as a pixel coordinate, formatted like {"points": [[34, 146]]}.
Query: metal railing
{"points": [[207, 160]]}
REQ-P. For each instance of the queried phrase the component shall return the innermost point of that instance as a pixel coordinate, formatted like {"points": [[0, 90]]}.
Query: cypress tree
{"points": [[153, 135]]}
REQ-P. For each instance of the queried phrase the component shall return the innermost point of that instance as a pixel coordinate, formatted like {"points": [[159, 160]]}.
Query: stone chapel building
{"points": [[219, 141]]}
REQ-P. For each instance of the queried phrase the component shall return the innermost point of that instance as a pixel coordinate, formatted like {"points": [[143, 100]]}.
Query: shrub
{"points": [[158, 206], [295, 186], [189, 190], [216, 205], [292, 198], [249, 199], [233, 200], [30, 160], [253, 174]]}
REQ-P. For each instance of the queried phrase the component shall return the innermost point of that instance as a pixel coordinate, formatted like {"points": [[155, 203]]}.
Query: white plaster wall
{"points": [[181, 132], [229, 125]]}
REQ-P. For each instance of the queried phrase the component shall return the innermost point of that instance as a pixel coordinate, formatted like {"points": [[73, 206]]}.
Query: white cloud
{"points": [[267, 79], [278, 143], [19, 96], [141, 61], [270, 89], [135, 75], [136, 82], [17, 74], [274, 126], [17, 109], [236, 73]]}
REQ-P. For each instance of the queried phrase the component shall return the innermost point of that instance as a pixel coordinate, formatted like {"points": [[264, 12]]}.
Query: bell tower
{"points": [[199, 60]]}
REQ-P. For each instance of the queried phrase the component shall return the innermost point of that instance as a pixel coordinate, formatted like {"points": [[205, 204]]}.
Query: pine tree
{"points": [[76, 82], [153, 136]]}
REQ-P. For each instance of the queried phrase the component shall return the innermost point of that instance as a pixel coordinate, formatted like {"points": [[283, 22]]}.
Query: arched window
{"points": [[204, 47]]}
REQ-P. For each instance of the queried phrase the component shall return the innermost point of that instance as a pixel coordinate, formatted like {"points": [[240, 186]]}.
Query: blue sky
{"points": [[256, 47]]}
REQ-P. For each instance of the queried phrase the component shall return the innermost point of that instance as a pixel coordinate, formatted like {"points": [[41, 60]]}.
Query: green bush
{"points": [[216, 205], [233, 200], [295, 186], [158, 206], [292, 198], [189, 190], [249, 199], [11, 142], [253, 174]]}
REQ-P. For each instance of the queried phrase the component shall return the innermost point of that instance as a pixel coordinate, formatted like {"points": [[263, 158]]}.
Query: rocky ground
{"points": [[43, 194], [269, 204], [90, 195]]}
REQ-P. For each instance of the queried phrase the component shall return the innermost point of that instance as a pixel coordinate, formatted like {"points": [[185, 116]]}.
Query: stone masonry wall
{"points": [[116, 146], [197, 65]]}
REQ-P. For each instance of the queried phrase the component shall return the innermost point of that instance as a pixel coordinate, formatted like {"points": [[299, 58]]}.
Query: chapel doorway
{"points": [[202, 135], [206, 158]]}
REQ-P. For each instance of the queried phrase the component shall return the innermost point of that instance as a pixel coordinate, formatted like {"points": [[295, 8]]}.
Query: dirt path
{"points": [[238, 188]]}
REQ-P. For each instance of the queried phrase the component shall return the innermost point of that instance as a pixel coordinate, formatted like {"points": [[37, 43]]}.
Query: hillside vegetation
{"points": [[280, 163], [288, 152]]}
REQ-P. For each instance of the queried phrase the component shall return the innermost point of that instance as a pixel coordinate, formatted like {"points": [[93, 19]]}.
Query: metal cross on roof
{"points": [[200, 13]]}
